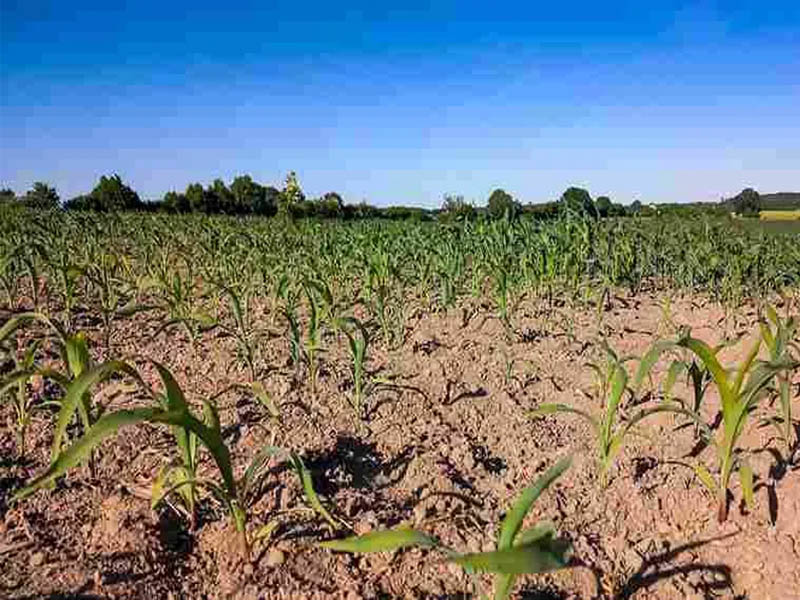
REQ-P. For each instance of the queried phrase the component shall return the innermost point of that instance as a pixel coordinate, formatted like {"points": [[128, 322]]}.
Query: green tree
{"points": [[603, 206], [330, 206], [246, 194], [7, 195], [219, 198], [455, 208], [109, 194], [501, 205], [577, 201], [196, 198], [747, 203], [175, 202], [268, 201], [41, 196]]}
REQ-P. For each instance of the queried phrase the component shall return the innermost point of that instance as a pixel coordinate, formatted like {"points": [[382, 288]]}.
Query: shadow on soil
{"points": [[656, 568], [354, 463]]}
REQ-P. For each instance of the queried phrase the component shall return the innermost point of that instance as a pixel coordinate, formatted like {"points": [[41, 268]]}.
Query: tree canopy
{"points": [[577, 201], [110, 194], [747, 203], [502, 205]]}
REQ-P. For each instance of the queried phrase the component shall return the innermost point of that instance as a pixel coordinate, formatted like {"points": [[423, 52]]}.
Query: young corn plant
{"points": [[358, 342], [519, 551], [75, 355], [780, 338], [610, 427], [171, 409], [740, 389], [14, 387], [306, 345]]}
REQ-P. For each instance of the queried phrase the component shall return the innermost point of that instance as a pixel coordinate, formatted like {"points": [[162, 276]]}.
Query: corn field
{"points": [[357, 367]]}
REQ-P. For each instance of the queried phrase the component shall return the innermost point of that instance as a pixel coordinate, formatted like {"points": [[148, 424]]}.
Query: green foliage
{"points": [[577, 201], [610, 428], [456, 209], [41, 196], [747, 203], [501, 205], [169, 408], [533, 550], [780, 339], [109, 195], [740, 389]]}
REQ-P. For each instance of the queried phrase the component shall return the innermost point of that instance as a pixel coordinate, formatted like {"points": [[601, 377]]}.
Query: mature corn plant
{"points": [[740, 388], [519, 551]]}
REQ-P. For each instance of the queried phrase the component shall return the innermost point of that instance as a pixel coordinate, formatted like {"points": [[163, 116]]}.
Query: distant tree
{"points": [[546, 210], [110, 194], [455, 208], [246, 194], [196, 198], [175, 202], [747, 202], [603, 206], [635, 208], [7, 195], [267, 203], [362, 210], [41, 196], [501, 205], [576, 200], [330, 206], [292, 197], [219, 199]]}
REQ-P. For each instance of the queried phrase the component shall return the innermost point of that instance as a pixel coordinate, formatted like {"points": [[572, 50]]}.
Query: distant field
{"points": [[779, 215]]}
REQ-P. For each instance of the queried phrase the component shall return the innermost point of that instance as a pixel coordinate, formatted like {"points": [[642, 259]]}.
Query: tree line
{"points": [[244, 196]]}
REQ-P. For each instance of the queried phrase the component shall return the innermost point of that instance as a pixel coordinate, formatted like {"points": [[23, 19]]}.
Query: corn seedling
{"points": [[358, 342], [171, 409], [739, 390], [779, 337], [519, 551], [610, 428]]}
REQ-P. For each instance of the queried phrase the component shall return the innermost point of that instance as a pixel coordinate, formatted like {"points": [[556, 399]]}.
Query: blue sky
{"points": [[658, 101]]}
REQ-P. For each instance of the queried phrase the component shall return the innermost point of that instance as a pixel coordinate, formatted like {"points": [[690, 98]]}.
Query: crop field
{"points": [[215, 407]]}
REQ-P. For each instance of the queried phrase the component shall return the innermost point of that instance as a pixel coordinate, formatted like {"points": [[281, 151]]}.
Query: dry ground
{"points": [[447, 449]]}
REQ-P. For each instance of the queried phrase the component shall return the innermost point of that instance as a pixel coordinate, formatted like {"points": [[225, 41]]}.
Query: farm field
{"points": [[194, 407]]}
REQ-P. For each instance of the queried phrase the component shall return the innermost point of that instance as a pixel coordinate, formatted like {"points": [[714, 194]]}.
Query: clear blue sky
{"points": [[661, 101]]}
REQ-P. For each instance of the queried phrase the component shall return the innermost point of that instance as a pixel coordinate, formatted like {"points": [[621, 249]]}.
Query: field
{"points": [[211, 407]]}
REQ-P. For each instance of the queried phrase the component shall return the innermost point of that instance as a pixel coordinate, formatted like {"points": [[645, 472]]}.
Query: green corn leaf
{"points": [[76, 391], [110, 423], [533, 558], [516, 515], [158, 489], [706, 478], [261, 394], [79, 450], [538, 532], [381, 541], [12, 380], [675, 369], [78, 358], [649, 360], [308, 489], [746, 479], [264, 533]]}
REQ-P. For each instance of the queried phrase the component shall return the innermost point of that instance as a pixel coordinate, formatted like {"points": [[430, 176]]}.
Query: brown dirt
{"points": [[447, 449]]}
